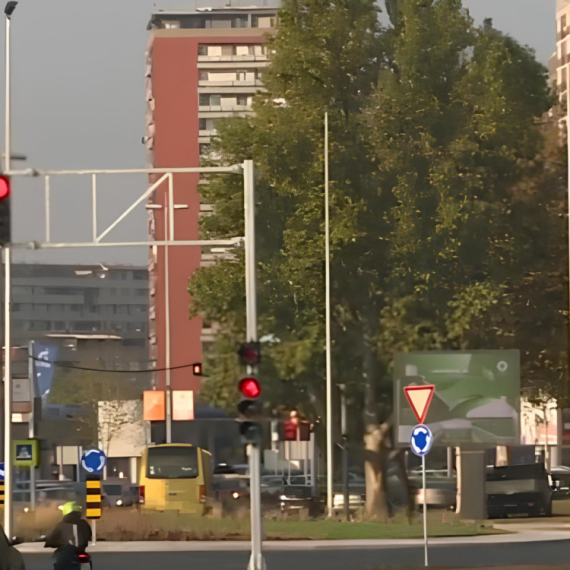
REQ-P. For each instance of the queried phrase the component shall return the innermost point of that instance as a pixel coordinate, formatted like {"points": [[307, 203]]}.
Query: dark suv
{"points": [[519, 489]]}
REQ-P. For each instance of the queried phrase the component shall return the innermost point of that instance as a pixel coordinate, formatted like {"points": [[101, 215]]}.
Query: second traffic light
{"points": [[5, 211], [249, 409]]}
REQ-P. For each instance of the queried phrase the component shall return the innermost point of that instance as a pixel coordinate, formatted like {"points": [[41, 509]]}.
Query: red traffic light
{"points": [[250, 387], [4, 187], [197, 369]]}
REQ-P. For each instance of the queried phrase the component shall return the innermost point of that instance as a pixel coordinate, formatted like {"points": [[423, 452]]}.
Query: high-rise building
{"points": [[557, 64], [201, 66]]}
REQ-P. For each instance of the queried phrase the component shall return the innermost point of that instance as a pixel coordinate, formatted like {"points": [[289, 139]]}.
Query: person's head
{"points": [[71, 507]]}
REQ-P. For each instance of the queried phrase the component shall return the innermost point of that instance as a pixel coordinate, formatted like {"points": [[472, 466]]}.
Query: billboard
{"points": [[477, 396]]}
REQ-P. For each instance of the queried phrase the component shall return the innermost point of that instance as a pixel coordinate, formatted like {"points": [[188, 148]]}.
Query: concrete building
{"points": [[70, 300], [562, 55], [201, 66]]}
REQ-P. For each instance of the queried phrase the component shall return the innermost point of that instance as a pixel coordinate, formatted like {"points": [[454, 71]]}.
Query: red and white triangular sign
{"points": [[420, 398]]}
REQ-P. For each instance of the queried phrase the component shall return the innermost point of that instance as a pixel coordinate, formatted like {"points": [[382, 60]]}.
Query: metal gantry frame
{"points": [[97, 239]]}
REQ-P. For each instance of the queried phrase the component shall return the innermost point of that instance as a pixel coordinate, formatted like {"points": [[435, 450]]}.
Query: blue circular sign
{"points": [[93, 461], [421, 440], [2, 471]]}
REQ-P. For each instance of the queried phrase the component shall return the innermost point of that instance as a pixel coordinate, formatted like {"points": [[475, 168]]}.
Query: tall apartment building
{"points": [[561, 57], [202, 66]]}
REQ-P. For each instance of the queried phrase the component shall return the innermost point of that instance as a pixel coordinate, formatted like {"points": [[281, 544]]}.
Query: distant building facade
{"points": [[70, 300], [202, 66]]}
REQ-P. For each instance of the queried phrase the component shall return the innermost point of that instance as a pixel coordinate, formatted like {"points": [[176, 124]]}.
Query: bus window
{"points": [[172, 463]]}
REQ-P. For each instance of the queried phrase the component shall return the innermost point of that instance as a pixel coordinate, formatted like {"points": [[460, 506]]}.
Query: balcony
{"points": [[231, 58], [236, 83], [223, 108]]}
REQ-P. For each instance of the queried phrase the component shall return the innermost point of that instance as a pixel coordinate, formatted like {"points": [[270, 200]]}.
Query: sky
{"points": [[79, 102]]}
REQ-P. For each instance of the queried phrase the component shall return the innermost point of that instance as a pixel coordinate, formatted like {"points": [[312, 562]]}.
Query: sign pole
{"points": [[425, 511], [94, 538]]}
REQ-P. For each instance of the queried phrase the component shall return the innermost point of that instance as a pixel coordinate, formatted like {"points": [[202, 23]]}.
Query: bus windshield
{"points": [[172, 463]]}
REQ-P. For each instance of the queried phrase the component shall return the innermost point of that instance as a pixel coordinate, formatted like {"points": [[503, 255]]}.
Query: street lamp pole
{"points": [[328, 329], [8, 11], [8, 471]]}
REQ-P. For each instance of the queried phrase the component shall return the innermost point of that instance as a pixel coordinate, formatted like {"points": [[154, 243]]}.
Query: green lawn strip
{"points": [[333, 530]]}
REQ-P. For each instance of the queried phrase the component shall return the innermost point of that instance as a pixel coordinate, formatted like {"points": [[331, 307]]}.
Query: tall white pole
{"points": [[328, 329], [8, 102], [568, 145], [167, 334], [256, 562], [425, 510], [8, 516]]}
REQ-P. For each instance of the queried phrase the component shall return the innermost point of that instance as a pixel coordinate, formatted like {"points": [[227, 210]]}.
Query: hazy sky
{"points": [[79, 91]]}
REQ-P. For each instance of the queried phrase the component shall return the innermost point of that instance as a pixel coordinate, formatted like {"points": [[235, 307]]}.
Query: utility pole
{"points": [[257, 561], [8, 470], [328, 329]]}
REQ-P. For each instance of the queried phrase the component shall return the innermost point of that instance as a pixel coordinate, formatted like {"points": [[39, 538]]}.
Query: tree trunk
{"points": [[375, 472], [376, 446]]}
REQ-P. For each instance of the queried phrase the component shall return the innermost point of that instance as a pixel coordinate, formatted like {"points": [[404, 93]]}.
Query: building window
{"points": [[240, 22], [215, 100], [172, 25], [242, 100], [203, 125], [203, 75], [263, 22], [204, 100], [228, 50], [202, 50]]}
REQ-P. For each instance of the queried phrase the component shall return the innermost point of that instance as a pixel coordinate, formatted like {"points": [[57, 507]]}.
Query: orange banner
{"points": [[154, 406]]}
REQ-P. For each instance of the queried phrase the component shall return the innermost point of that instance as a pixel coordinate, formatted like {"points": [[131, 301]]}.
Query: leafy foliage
{"points": [[447, 204]]}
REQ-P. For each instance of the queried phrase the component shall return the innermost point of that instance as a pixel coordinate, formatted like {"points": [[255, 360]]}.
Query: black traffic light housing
{"points": [[5, 210], [250, 353]]}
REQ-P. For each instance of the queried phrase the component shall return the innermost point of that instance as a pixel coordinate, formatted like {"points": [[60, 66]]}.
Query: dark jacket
{"points": [[71, 531]]}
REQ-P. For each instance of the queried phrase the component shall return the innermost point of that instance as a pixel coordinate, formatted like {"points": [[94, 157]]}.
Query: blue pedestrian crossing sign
{"points": [[421, 440], [2, 470], [93, 461]]}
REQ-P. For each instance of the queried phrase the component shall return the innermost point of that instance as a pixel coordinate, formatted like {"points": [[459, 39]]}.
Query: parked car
{"points": [[519, 489], [119, 493], [441, 489], [10, 558], [296, 498], [560, 483]]}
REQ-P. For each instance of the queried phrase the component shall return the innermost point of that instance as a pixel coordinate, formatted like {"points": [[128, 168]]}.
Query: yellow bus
{"points": [[175, 477]]}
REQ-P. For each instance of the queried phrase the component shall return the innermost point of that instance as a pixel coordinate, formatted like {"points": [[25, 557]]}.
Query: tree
{"points": [[434, 146], [88, 388]]}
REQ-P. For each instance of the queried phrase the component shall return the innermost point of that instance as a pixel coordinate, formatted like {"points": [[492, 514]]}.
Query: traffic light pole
{"points": [[256, 562], [8, 471]]}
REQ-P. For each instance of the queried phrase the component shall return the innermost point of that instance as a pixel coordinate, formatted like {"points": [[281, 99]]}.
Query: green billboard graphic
{"points": [[476, 402]]}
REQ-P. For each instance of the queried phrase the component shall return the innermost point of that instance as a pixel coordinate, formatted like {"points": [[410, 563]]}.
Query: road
{"points": [[539, 553]]}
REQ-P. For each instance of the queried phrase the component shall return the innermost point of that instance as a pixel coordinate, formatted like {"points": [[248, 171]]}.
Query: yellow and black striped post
{"points": [[1, 494], [93, 507]]}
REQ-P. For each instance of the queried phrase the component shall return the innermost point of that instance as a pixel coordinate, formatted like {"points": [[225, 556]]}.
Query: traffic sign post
{"points": [[419, 398], [93, 461]]}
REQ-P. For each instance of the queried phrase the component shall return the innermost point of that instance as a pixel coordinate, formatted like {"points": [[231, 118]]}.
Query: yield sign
{"points": [[420, 398]]}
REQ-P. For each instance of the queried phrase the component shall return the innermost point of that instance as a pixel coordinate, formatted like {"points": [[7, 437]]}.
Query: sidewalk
{"points": [[524, 536]]}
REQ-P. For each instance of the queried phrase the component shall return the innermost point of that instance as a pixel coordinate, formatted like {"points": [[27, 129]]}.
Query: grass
{"points": [[131, 525], [334, 530]]}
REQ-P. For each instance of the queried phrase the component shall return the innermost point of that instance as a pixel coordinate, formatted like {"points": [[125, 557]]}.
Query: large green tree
{"points": [[437, 167]]}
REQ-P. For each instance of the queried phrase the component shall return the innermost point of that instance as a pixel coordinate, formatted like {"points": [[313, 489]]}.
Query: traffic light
{"points": [[250, 409], [5, 213], [250, 353], [197, 369]]}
